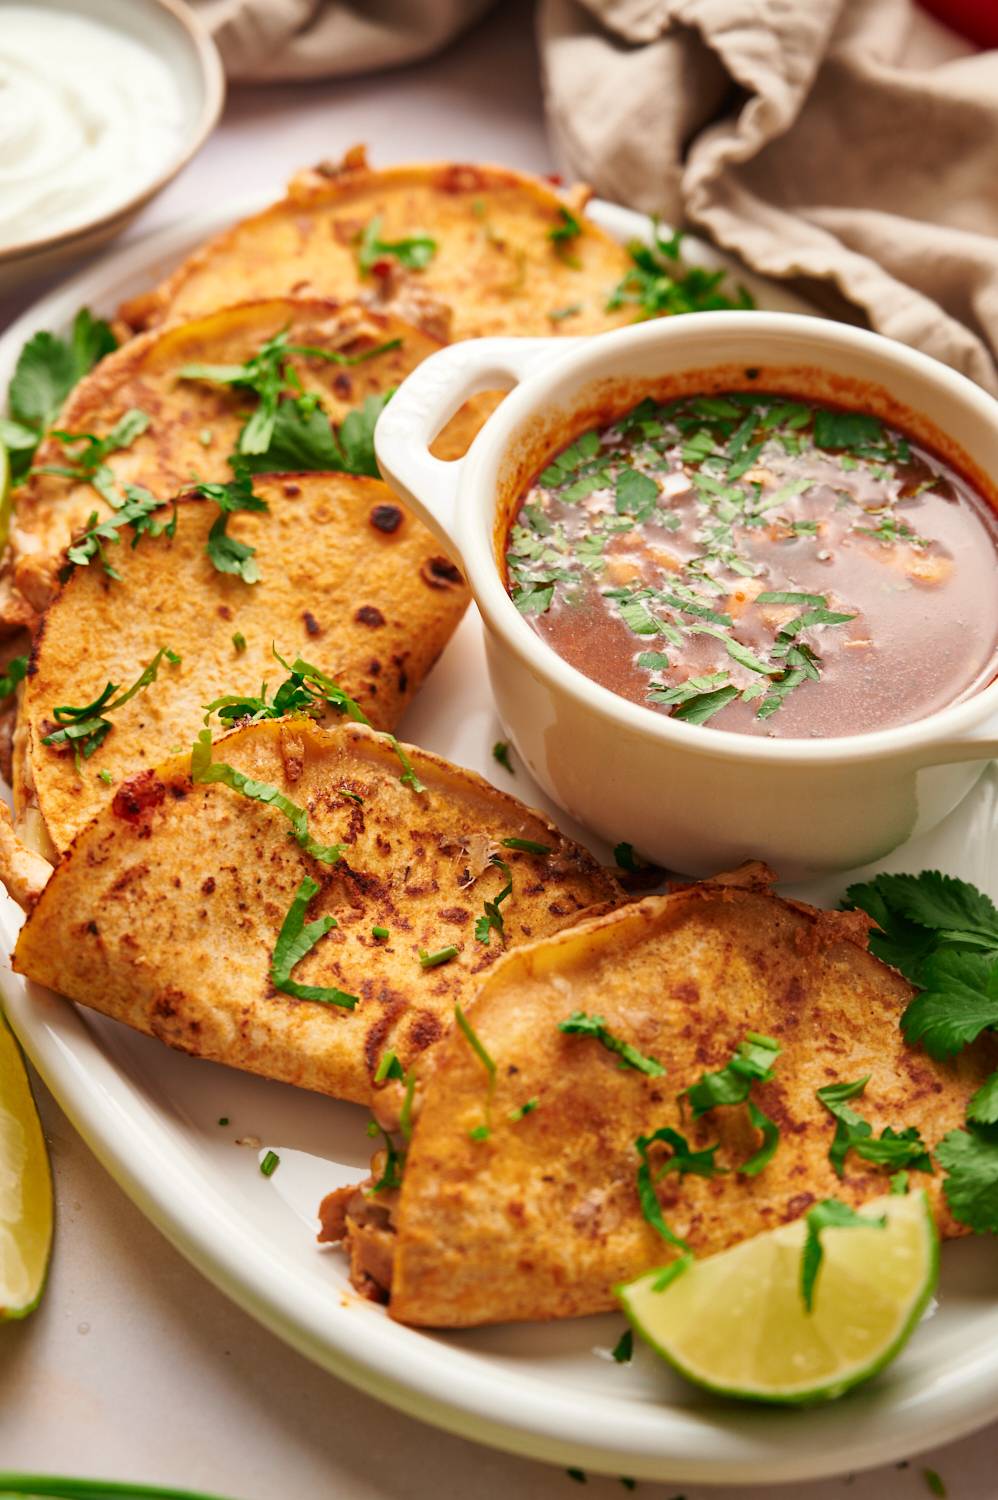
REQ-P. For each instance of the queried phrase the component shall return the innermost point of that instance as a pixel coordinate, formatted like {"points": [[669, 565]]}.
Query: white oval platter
{"points": [[551, 1392]]}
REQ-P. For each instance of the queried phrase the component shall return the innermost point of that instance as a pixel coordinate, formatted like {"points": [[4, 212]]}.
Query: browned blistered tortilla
{"points": [[165, 911], [349, 581], [495, 268], [542, 1219], [194, 424]]}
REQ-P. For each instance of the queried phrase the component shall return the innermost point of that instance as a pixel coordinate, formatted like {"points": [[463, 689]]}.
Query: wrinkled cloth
{"points": [[851, 145], [262, 41]]}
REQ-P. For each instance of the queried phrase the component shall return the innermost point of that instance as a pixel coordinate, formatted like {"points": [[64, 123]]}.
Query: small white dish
{"points": [[179, 39], [689, 798]]}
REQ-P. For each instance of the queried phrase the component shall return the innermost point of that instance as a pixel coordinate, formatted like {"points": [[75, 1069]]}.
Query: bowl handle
{"points": [[979, 743], [425, 402]]}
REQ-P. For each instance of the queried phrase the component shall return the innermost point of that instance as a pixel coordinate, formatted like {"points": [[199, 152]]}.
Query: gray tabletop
{"points": [[135, 1367]]}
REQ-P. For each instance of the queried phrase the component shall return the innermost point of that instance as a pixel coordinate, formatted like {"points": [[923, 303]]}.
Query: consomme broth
{"points": [[762, 564]]}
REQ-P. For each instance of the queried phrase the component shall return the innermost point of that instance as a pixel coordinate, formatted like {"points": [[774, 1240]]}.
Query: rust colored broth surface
{"points": [[763, 564]]}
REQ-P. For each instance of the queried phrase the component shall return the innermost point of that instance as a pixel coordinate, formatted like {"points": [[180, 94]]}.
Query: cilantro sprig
{"points": [[478, 1047], [84, 729], [581, 1024], [491, 919], [47, 369], [296, 939], [268, 374], [87, 454], [942, 933], [138, 512], [227, 554]]}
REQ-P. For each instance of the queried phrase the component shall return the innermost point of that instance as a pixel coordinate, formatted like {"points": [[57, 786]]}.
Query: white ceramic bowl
{"points": [[180, 39], [692, 799]]}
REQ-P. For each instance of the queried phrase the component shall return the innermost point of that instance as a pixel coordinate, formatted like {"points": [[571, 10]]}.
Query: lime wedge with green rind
{"points": [[25, 1188], [736, 1324]]}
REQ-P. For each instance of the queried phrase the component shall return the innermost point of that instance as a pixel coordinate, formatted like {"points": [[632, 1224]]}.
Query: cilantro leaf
{"points": [[414, 251], [302, 438], [227, 554], [970, 1159], [895, 940], [658, 283], [84, 729], [623, 1349], [648, 1198], [581, 1024], [955, 910], [15, 672], [683, 1159], [492, 921], [48, 368], [636, 494], [137, 512], [983, 1106], [356, 435], [829, 1214], [845, 429], [534, 599], [297, 938], [204, 771], [958, 1003], [501, 753]]}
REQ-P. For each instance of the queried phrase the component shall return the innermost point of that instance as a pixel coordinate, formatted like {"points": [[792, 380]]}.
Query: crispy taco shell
{"points": [[165, 911], [542, 1219], [194, 424], [496, 269], [349, 580]]}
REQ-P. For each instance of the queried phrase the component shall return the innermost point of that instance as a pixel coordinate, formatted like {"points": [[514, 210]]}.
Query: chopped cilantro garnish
{"points": [[270, 1164], [267, 374], [527, 846], [623, 1349], [579, 1475], [239, 643], [105, 775], [297, 938], [581, 1024], [15, 671], [934, 1483], [753, 1063], [829, 1214], [379, 932], [893, 1148], [899, 1182], [478, 1047], [658, 283], [136, 512], [227, 554], [388, 1067], [414, 251], [492, 919], [85, 729], [517, 1114], [441, 956], [86, 454], [627, 859], [500, 752], [651, 1208], [391, 1176], [204, 771]]}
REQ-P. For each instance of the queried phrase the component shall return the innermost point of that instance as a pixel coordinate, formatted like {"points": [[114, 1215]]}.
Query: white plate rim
{"points": [[421, 1376]]}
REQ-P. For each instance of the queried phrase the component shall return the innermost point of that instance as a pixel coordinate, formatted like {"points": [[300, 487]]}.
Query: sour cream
{"points": [[88, 116]]}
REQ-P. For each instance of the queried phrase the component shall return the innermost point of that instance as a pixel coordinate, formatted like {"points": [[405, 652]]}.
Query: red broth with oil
{"points": [[763, 564]]}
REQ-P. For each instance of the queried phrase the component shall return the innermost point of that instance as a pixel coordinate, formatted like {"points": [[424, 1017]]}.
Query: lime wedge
{"points": [[25, 1188], [736, 1323]]}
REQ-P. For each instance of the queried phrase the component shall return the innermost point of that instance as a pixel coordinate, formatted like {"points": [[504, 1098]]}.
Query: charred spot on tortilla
{"points": [[441, 573]]}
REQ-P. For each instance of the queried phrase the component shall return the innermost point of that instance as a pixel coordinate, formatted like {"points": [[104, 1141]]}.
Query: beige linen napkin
{"points": [[851, 143], [266, 40]]}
